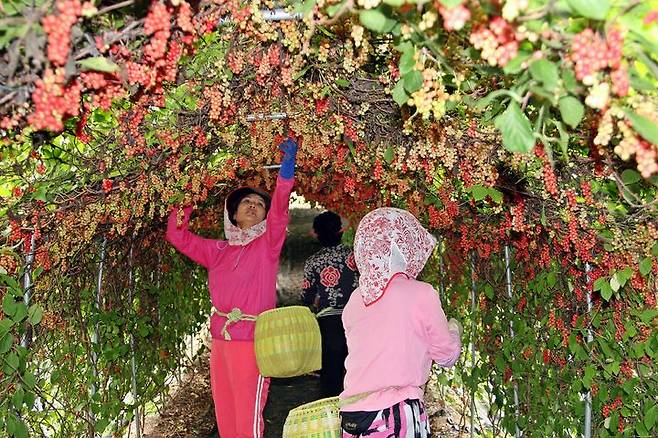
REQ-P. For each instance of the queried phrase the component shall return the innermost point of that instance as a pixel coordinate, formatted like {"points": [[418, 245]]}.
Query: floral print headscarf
{"points": [[389, 241]]}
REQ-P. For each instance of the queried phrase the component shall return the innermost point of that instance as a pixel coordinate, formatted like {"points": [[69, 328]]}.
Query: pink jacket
{"points": [[392, 343], [242, 276]]}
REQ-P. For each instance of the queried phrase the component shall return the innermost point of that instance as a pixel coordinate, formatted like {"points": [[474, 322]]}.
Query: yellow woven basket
{"points": [[287, 342], [318, 419]]}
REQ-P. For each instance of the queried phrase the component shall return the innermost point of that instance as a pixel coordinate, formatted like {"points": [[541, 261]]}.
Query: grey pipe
{"points": [[27, 288], [588, 397], [133, 362], [508, 276], [473, 308]]}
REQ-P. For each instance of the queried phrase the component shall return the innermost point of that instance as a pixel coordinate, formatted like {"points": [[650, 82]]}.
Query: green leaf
{"points": [[650, 416], [594, 9], [496, 196], [645, 127], [571, 111], [102, 424], [342, 83], [306, 8], [9, 305], [606, 291], [5, 326], [399, 95], [478, 192], [412, 81], [375, 20], [515, 65], [590, 372], [6, 342], [407, 61], [333, 9], [641, 430], [29, 379], [516, 129], [648, 315], [614, 283], [21, 312], [35, 313], [569, 80], [11, 363], [17, 398], [545, 72], [98, 63], [389, 154], [489, 291], [630, 176]]}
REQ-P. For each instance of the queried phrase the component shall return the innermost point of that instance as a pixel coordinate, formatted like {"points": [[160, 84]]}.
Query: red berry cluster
{"points": [[107, 185], [58, 30], [609, 408], [550, 181], [54, 100]]}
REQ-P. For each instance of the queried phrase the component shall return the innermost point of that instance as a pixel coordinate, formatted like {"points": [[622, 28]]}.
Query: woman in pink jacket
{"points": [[395, 328], [242, 274]]}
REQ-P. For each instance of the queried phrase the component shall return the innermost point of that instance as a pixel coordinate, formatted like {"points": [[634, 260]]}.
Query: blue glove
{"points": [[289, 148]]}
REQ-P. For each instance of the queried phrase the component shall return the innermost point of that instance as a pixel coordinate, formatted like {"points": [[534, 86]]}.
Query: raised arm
{"points": [[202, 251], [277, 217], [444, 340]]}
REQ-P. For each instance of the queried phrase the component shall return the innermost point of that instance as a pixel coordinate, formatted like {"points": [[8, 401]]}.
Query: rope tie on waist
{"points": [[232, 317]]}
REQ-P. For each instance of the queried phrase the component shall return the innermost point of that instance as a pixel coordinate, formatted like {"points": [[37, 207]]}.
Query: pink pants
{"points": [[238, 389]]}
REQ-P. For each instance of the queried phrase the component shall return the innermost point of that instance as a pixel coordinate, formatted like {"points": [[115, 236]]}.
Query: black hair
{"points": [[328, 227], [237, 195]]}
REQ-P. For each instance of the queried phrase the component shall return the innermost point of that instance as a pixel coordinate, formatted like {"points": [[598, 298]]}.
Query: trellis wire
{"points": [[508, 277], [270, 15], [588, 396], [473, 307], [133, 362], [27, 288], [262, 117], [94, 336]]}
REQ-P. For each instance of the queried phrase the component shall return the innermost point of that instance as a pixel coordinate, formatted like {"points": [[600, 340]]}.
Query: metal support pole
{"points": [[588, 396], [473, 308], [133, 362], [27, 289], [95, 336], [508, 277]]}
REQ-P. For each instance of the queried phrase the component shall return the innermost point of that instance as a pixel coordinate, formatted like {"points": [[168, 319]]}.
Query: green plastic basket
{"points": [[318, 419], [287, 342]]}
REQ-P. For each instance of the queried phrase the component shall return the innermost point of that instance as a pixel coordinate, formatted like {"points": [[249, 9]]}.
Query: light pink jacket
{"points": [[392, 343], [242, 276]]}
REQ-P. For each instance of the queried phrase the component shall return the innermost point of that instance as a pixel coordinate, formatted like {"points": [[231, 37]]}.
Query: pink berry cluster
{"points": [[498, 42], [454, 18], [591, 53]]}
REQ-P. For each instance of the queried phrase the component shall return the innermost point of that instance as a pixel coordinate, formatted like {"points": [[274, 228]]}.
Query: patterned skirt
{"points": [[406, 419]]}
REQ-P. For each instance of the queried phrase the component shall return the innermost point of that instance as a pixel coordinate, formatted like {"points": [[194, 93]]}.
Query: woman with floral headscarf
{"points": [[242, 281], [395, 328]]}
